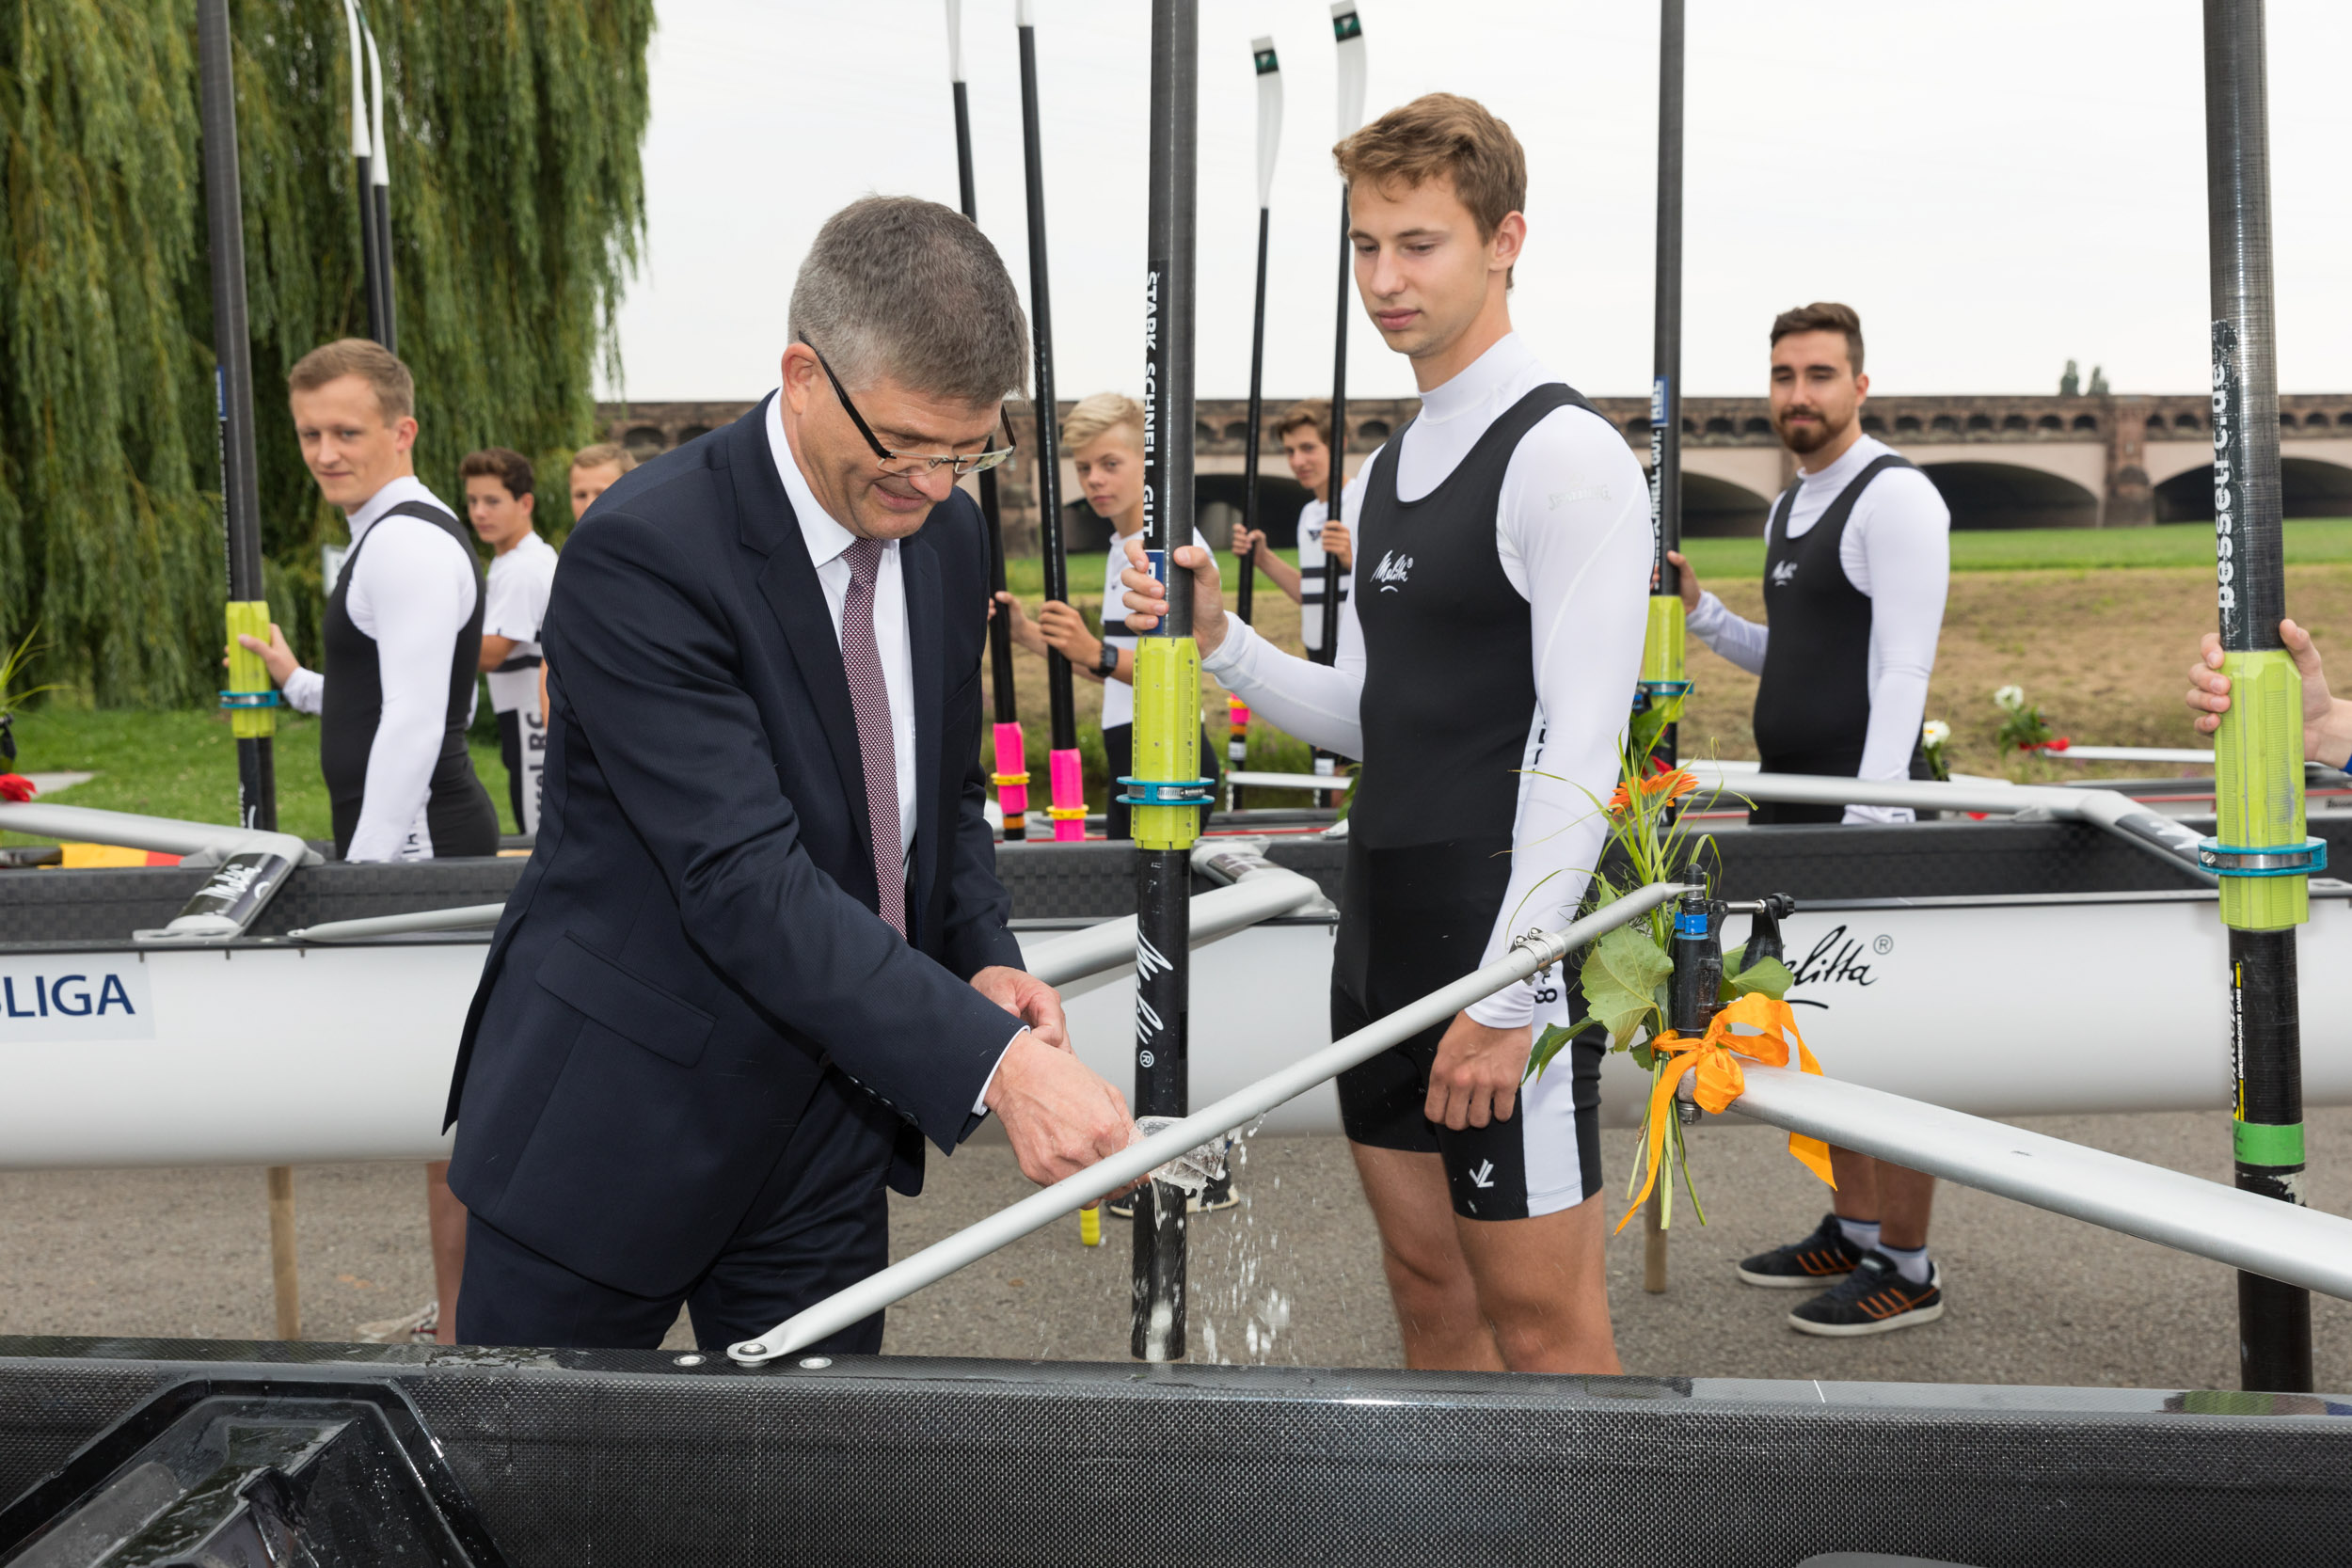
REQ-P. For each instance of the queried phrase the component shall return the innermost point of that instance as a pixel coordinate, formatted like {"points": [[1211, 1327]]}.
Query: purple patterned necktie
{"points": [[861, 657]]}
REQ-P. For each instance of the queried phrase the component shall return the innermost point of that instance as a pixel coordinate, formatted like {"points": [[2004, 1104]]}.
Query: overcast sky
{"points": [[1997, 187]]}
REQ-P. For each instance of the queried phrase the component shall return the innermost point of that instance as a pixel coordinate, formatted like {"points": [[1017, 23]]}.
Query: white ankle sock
{"points": [[1862, 1235], [1910, 1262]]}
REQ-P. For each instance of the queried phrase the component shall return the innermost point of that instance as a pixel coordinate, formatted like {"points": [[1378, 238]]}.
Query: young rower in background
{"points": [[499, 504], [1103, 436], [1484, 660], [1857, 556], [1305, 431]]}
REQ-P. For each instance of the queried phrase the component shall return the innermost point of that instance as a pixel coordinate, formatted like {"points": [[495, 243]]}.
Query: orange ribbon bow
{"points": [[1714, 1057]]}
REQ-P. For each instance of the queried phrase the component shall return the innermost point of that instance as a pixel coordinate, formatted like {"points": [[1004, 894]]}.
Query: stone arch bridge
{"points": [[2001, 462]]}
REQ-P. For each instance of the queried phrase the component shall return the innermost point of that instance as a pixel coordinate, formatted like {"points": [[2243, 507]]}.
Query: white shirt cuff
{"points": [[305, 689], [1512, 1007], [979, 1107]]}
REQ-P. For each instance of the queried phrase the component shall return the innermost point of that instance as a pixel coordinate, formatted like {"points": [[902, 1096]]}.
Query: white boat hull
{"points": [[2024, 1007]]}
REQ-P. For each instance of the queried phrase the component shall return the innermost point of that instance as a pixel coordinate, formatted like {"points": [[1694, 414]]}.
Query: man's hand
{"points": [[1247, 542], [1065, 631], [2327, 720], [274, 653], [1337, 545], [1017, 622], [1689, 579], [1147, 601], [1028, 999], [1477, 1074], [1059, 1115]]}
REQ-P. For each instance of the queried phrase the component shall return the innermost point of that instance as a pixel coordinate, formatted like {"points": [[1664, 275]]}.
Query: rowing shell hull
{"points": [[273, 1056]]}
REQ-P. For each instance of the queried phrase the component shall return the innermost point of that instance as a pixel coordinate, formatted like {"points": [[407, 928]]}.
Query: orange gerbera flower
{"points": [[1674, 783]]}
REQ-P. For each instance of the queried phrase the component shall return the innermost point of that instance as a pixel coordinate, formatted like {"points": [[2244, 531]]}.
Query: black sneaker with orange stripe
{"points": [[1874, 1299], [1821, 1257]]}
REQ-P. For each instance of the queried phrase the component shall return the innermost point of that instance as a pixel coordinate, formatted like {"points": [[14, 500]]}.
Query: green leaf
{"points": [[1550, 1044], [1622, 974], [1768, 975]]}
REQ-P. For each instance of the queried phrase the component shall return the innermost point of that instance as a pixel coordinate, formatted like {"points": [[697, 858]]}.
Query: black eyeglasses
{"points": [[908, 465]]}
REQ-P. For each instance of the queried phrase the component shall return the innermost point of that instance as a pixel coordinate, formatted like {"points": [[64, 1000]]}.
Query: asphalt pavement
{"points": [[1291, 1276]]}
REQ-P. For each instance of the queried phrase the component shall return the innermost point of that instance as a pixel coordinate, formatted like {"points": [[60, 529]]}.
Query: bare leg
{"points": [[1857, 1194], [446, 1215], [1905, 1197], [1429, 1279], [1543, 1289]]}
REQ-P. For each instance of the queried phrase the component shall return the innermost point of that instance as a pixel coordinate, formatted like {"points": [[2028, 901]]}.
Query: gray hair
{"points": [[909, 289]]}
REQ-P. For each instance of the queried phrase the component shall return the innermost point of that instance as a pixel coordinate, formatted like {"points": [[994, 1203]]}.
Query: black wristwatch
{"points": [[1107, 661]]}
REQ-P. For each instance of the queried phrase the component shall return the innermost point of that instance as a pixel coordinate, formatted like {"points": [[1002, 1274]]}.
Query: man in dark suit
{"points": [[760, 951]]}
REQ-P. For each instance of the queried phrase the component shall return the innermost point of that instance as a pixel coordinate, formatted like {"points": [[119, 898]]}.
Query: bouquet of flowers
{"points": [[2022, 725], [1625, 979]]}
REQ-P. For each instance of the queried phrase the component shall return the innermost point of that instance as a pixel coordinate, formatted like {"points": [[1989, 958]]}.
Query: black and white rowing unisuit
{"points": [[368, 744], [1486, 656], [1856, 563]]}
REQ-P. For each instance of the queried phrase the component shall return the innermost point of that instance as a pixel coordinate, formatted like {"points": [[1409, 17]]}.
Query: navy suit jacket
{"points": [[695, 938]]}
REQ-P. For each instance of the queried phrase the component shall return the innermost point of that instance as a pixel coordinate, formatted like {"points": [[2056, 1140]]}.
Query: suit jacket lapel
{"points": [[798, 601], [919, 568]]}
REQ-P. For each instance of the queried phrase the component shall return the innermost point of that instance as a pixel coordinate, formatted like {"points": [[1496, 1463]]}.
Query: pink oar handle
{"points": [[1069, 810]]}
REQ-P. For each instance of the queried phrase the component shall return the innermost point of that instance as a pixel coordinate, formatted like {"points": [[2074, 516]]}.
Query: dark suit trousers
{"points": [[820, 1221]]}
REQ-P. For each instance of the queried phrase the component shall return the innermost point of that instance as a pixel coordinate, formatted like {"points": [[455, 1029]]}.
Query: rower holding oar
{"points": [[1482, 673], [1856, 559], [1305, 431], [1103, 436]]}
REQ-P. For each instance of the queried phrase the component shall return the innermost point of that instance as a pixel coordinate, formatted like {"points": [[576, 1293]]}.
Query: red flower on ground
{"points": [[2059, 745], [15, 786]]}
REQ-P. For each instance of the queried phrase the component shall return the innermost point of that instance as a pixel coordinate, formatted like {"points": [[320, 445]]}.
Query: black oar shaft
{"points": [[1047, 447], [1011, 797], [1337, 483], [1167, 716], [1257, 416], [1665, 430], [2258, 753], [240, 494]]}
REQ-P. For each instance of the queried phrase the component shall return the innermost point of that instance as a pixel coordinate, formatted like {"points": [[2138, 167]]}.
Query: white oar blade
{"points": [[1269, 115], [955, 41], [380, 169], [1347, 31], [360, 143]]}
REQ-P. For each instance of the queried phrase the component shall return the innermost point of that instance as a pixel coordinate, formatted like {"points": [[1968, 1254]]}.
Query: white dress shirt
{"points": [[826, 539], [412, 593], [1897, 552]]}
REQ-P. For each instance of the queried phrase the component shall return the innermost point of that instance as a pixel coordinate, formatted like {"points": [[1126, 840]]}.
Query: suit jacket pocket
{"points": [[637, 1010]]}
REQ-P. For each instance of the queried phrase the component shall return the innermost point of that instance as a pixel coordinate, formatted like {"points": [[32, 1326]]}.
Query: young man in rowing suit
{"points": [[1304, 431], [1103, 436], [403, 644], [1501, 549], [499, 504], [1856, 557]]}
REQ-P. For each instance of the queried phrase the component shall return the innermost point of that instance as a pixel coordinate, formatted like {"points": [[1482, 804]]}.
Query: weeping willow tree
{"points": [[517, 206]]}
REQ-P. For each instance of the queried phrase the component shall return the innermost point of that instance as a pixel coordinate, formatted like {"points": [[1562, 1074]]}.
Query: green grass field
{"points": [[185, 766], [2310, 541]]}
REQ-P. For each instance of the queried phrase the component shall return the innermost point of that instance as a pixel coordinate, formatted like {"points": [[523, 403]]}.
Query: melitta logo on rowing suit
{"points": [[1785, 573], [1392, 571], [1835, 961], [75, 996]]}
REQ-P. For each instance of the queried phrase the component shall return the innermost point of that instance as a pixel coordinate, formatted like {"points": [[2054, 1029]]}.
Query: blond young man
{"points": [[1103, 436], [594, 471], [1501, 554], [1305, 431]]}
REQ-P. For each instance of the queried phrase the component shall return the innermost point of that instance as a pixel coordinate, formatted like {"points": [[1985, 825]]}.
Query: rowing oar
{"points": [[1167, 792], [2260, 846], [1659, 696], [1269, 141], [251, 701], [1012, 756], [1347, 32], [375, 204], [1067, 782], [362, 158], [1530, 954]]}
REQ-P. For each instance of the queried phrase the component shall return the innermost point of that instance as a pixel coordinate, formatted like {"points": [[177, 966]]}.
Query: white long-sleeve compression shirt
{"points": [[1896, 551], [1572, 531], [413, 593]]}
